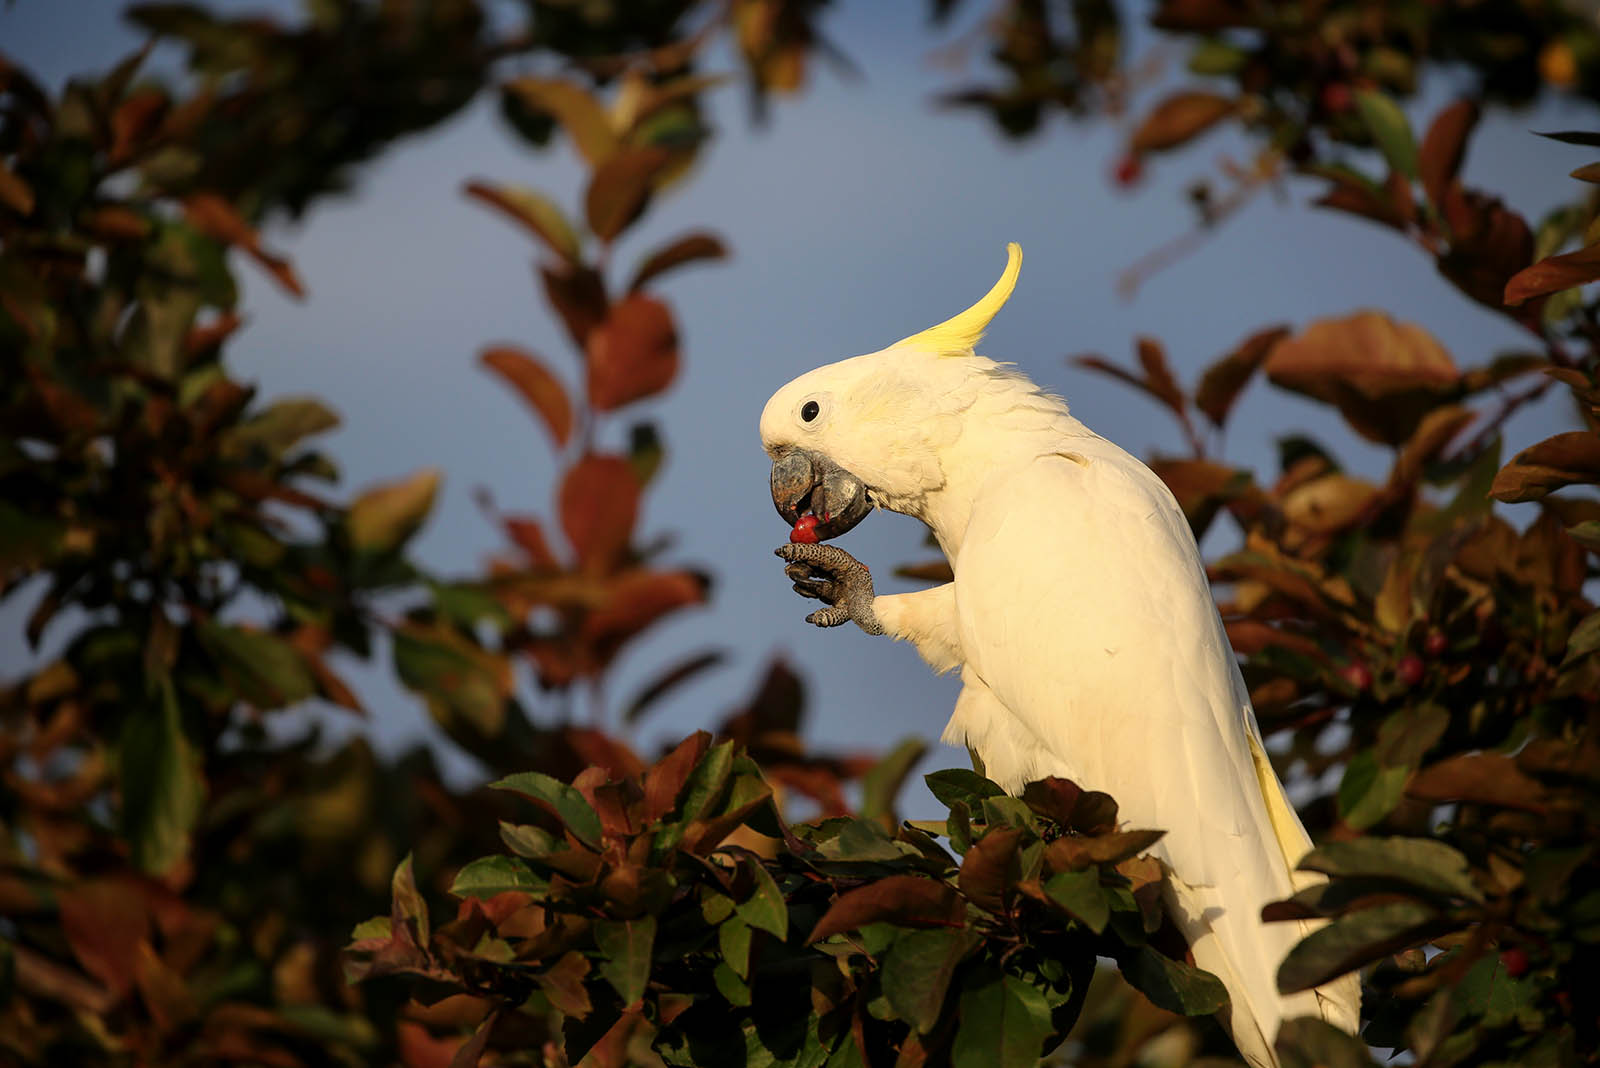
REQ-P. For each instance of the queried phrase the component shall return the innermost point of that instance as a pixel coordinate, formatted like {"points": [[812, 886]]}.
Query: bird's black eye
{"points": [[810, 410]]}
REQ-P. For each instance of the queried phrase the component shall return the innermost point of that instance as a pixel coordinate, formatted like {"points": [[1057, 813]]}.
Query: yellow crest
{"points": [[958, 335]]}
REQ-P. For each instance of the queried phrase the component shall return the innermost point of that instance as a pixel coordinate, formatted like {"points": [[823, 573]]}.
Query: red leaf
{"points": [[664, 781], [599, 502], [687, 249], [106, 923], [1444, 147], [529, 536], [579, 297], [214, 216], [633, 354], [633, 601], [1554, 273], [135, 119], [532, 379], [1479, 778], [989, 870], [903, 900]]}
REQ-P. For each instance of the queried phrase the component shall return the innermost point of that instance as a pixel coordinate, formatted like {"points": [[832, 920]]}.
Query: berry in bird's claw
{"points": [[805, 530]]}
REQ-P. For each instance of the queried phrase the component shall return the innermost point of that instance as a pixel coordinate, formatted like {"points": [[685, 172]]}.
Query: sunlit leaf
{"points": [[534, 382], [538, 213], [1390, 130], [383, 518], [559, 799]]}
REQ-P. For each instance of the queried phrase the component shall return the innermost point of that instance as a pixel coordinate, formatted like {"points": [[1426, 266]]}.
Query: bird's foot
{"points": [[835, 578]]}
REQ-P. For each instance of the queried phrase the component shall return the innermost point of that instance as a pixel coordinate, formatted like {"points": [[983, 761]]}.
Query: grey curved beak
{"points": [[808, 482]]}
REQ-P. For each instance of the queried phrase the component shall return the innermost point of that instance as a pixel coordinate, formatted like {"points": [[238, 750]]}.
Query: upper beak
{"points": [[805, 481]]}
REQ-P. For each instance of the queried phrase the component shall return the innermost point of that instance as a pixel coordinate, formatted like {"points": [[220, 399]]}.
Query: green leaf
{"points": [[457, 678], [917, 972], [1405, 737], [559, 799], [526, 840], [1369, 790], [1422, 863], [262, 668], [407, 909], [1172, 985], [377, 927], [1309, 1042], [283, 424], [1585, 639], [733, 988], [625, 947], [488, 876], [1215, 57], [1390, 130], [1587, 534], [163, 787], [26, 541], [958, 784], [765, 909], [1079, 893], [881, 785], [1004, 1022], [733, 939], [707, 780], [1356, 939]]}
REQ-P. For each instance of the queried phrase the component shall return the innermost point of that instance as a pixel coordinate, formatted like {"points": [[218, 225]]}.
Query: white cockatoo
{"points": [[1080, 620]]}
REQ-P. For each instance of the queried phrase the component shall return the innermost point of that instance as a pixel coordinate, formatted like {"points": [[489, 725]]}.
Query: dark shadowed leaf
{"points": [[1224, 380], [464, 684], [990, 869], [1573, 137], [1179, 118], [408, 912], [1481, 778], [162, 785], [1356, 939], [1369, 790], [599, 502], [669, 680], [881, 785], [918, 969], [1444, 146], [1079, 852], [958, 784], [689, 248], [1004, 1022], [1563, 460], [535, 211], [529, 376], [1421, 863], [215, 217], [261, 667], [1389, 129], [625, 948], [904, 900], [560, 800], [1553, 274], [1153, 358], [765, 909], [1173, 985], [1079, 892], [1053, 798], [384, 518], [632, 354], [105, 922], [579, 296], [1312, 1043]]}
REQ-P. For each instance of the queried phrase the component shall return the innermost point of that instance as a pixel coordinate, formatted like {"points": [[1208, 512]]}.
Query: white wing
{"points": [[1084, 610]]}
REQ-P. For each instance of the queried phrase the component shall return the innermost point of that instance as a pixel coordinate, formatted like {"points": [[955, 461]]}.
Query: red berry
{"points": [[1435, 643], [1130, 169], [1514, 961], [1337, 98], [805, 530], [1357, 675], [1411, 669]]}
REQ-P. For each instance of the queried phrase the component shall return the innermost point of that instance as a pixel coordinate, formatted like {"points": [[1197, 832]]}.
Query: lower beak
{"points": [[807, 482]]}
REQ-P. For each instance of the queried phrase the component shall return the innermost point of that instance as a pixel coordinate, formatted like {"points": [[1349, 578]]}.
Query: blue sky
{"points": [[858, 215]]}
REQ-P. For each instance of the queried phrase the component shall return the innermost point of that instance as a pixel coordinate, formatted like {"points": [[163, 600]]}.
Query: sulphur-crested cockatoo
{"points": [[1080, 620]]}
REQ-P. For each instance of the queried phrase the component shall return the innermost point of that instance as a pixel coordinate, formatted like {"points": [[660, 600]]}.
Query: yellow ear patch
{"points": [[958, 335]]}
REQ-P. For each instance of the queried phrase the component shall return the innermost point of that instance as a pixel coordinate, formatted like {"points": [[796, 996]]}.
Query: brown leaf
{"points": [[903, 900], [1444, 146], [165, 993], [1554, 273], [1153, 358], [665, 779], [214, 216], [528, 375], [529, 536], [14, 192], [599, 502], [136, 118], [990, 869], [633, 354], [1572, 458], [1179, 118], [579, 297], [106, 923], [686, 249], [1355, 198], [633, 601], [1489, 244], [578, 112], [1053, 798], [1224, 380], [1201, 487], [1382, 375], [1437, 429], [563, 984], [1072, 853], [535, 211], [620, 188], [1479, 778]]}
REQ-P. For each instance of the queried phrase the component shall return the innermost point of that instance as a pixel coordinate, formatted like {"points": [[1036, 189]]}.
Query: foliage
{"points": [[179, 869], [677, 908]]}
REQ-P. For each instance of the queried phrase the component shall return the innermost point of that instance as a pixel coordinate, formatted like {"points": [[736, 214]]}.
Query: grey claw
{"points": [[833, 576]]}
